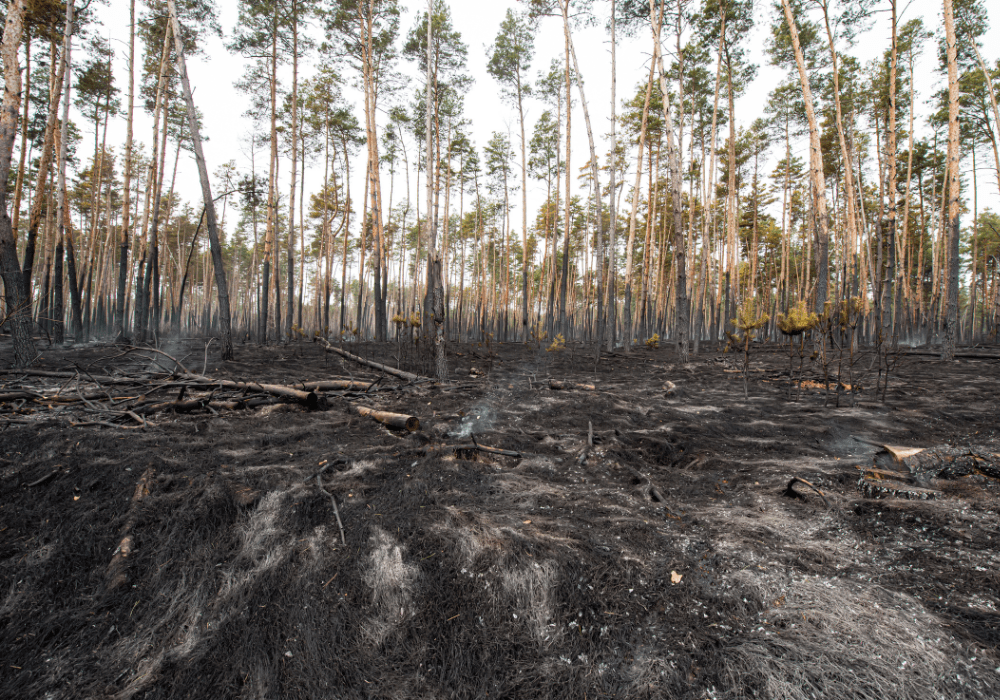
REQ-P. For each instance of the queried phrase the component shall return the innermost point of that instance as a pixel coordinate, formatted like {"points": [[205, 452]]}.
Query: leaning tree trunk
{"points": [[225, 321], [815, 162], [17, 313]]}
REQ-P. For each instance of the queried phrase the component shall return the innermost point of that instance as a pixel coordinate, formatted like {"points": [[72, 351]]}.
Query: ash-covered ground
{"points": [[665, 561]]}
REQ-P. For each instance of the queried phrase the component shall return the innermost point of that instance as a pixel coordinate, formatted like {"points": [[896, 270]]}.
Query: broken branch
{"points": [[408, 376]]}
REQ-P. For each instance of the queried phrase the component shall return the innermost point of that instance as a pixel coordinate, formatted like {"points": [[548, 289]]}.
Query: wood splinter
{"points": [[398, 421]]}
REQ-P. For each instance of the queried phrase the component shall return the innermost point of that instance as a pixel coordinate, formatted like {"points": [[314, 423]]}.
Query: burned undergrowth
{"points": [[639, 545]]}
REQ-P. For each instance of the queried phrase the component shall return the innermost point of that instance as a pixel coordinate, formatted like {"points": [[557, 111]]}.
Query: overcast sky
{"points": [[215, 73]]}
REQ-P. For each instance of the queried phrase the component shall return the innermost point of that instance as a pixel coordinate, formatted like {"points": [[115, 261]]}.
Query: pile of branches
{"points": [[128, 400]]}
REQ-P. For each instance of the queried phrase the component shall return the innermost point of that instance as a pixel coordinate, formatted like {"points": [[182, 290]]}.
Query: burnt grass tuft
{"points": [[663, 561]]}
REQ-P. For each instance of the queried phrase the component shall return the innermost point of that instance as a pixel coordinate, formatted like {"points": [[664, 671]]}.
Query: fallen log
{"points": [[309, 398], [393, 420], [556, 384], [408, 376], [338, 385]]}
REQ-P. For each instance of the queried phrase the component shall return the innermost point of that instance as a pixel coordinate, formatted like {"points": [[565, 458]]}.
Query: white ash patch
{"points": [[530, 589], [391, 581]]}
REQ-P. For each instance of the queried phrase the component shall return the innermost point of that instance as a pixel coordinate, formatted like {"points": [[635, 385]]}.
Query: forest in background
{"points": [[682, 223]]}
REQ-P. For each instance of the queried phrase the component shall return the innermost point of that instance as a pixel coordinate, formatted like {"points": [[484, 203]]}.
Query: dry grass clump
{"points": [[831, 638]]}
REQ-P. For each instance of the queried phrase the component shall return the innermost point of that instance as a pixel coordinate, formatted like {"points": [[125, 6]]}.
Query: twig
{"points": [[204, 366], [106, 424], [95, 382], [39, 482], [336, 511]]}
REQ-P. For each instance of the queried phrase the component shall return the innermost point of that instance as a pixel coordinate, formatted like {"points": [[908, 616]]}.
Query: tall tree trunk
{"points": [[17, 312], [226, 341], [612, 305], [954, 187], [732, 204], [126, 192], [567, 221], [62, 215], [19, 185], [891, 292], [524, 206], [434, 282], [290, 250], [272, 204], [374, 182]]}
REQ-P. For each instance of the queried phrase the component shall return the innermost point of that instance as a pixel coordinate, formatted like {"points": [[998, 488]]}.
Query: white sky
{"points": [[213, 76]]}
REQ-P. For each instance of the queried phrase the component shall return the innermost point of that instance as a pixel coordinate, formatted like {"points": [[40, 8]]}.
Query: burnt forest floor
{"points": [[667, 561]]}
